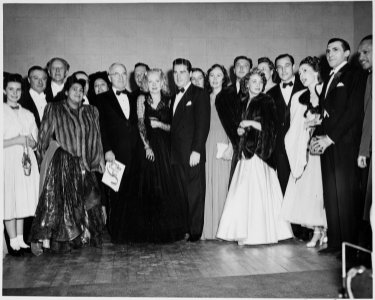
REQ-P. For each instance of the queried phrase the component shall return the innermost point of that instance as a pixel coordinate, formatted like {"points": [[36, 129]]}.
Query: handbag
{"points": [[26, 161]]}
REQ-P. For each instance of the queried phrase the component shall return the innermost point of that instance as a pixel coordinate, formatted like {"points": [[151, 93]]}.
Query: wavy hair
{"points": [[163, 79], [245, 80], [226, 79], [314, 63]]}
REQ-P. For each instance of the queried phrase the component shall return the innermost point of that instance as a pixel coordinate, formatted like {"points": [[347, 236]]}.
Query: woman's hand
{"points": [[30, 141], [150, 154], [109, 156], [252, 123], [313, 120]]}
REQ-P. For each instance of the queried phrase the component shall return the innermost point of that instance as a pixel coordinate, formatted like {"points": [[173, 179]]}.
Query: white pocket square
{"points": [[188, 104], [340, 84]]}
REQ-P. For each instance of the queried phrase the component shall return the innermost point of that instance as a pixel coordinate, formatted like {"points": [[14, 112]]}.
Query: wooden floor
{"points": [[115, 264]]}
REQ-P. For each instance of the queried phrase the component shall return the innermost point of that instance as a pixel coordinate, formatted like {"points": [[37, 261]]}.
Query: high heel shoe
{"points": [[317, 237]]}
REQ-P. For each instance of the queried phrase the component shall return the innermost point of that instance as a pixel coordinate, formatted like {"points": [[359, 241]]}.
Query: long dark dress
{"points": [[162, 200]]}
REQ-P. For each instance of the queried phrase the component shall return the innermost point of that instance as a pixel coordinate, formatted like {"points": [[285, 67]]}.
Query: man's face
{"points": [[58, 71], [38, 81], [139, 73], [181, 75], [284, 68], [241, 68], [365, 54], [118, 77], [335, 54], [85, 78]]}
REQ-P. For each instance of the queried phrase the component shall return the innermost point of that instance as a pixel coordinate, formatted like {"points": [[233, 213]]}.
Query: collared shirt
{"points": [[85, 100], [335, 70], [123, 100], [179, 96], [56, 88], [287, 91], [238, 86], [39, 101]]}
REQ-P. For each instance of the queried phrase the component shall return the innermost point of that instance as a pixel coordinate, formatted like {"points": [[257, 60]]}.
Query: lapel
{"points": [[335, 81], [181, 106], [116, 105]]}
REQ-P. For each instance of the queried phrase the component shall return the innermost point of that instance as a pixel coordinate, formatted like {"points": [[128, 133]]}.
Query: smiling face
{"points": [[75, 94], [197, 79], [216, 78], [336, 54], [100, 86], [118, 77], [308, 76], [255, 85], [181, 75], [13, 92], [38, 81], [365, 54], [154, 82], [284, 68]]}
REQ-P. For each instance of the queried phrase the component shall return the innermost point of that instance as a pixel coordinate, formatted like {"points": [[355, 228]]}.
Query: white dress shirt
{"points": [[56, 88], [179, 96], [39, 101], [287, 91], [85, 100], [238, 86], [333, 73], [123, 100]]}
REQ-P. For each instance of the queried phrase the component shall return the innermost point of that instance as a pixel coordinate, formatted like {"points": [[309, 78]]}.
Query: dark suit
{"points": [[344, 105], [27, 102], [119, 135], [49, 94], [189, 131], [280, 158]]}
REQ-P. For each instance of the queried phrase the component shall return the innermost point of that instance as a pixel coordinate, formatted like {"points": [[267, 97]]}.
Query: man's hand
{"points": [[319, 144], [194, 158], [109, 156], [362, 161], [240, 131]]}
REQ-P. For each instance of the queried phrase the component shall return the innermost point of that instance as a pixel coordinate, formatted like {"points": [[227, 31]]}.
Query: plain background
{"points": [[92, 36]]}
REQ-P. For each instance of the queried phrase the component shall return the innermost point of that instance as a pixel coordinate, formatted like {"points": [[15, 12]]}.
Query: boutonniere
{"points": [[188, 104], [340, 84]]}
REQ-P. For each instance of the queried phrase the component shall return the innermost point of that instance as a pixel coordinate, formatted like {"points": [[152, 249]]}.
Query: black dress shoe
{"points": [[329, 250], [16, 253], [26, 250], [194, 238]]}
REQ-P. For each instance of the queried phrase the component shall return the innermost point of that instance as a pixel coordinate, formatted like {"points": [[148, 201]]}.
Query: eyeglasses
{"points": [[118, 75]]}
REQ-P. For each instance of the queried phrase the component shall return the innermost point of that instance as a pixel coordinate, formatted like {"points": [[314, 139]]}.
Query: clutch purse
{"points": [[26, 161]]}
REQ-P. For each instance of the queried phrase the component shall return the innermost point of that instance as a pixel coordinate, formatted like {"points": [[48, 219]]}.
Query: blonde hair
{"points": [[163, 79]]}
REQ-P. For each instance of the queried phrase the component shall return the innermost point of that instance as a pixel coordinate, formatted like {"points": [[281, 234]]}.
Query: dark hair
{"points": [[93, 77], [345, 44], [282, 56], [182, 61], [12, 78], [245, 80], [367, 37], [72, 79], [81, 72], [198, 70], [141, 64], [36, 68], [270, 65], [314, 63], [50, 62], [245, 58], [226, 79]]}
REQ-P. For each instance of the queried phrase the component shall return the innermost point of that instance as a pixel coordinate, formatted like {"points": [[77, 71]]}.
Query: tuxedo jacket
{"points": [[190, 125], [283, 112], [343, 107], [119, 134], [49, 94]]}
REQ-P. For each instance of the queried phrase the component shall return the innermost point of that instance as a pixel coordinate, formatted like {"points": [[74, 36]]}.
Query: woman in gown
{"points": [[252, 209], [20, 190], [303, 199], [268, 68], [69, 211], [217, 169], [159, 196]]}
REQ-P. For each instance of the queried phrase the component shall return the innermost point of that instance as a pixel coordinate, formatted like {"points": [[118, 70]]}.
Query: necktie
{"points": [[182, 90], [118, 93], [290, 83]]}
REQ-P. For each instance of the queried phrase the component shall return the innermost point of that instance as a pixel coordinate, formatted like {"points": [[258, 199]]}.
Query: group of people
{"points": [[271, 156]]}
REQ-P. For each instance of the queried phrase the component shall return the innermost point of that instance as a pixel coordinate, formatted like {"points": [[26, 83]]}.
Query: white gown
{"points": [[20, 191], [252, 209], [303, 199]]}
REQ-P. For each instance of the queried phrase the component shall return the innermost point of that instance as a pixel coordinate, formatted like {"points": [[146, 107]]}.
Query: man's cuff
{"points": [[330, 141]]}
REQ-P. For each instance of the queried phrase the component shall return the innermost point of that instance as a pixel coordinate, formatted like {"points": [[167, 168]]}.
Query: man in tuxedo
{"points": [[282, 94], [35, 99], [337, 141], [189, 131], [118, 125], [140, 70], [58, 69]]}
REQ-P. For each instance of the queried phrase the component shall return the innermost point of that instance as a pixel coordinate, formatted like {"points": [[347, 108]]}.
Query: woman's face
{"points": [[75, 94], [100, 86], [197, 79], [216, 78], [154, 83], [307, 75], [265, 68], [255, 84], [13, 92]]}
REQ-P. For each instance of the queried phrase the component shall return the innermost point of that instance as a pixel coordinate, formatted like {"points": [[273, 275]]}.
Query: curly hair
{"points": [[163, 79], [314, 63], [245, 80], [72, 79], [226, 79]]}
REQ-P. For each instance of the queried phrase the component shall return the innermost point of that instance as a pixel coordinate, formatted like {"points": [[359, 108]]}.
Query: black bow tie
{"points": [[14, 107], [182, 90], [290, 83], [118, 93]]}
